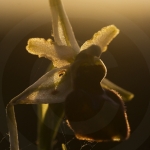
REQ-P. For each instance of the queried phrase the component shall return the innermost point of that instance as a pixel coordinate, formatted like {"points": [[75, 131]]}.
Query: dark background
{"points": [[127, 61]]}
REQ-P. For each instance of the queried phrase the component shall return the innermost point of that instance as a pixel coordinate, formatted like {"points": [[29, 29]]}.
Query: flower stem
{"points": [[12, 127], [49, 124]]}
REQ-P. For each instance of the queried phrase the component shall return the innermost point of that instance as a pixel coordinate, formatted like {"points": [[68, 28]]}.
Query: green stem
{"points": [[49, 124], [64, 147], [12, 127]]}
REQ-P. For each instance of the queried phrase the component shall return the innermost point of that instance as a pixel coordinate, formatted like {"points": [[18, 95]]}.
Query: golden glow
{"points": [[44, 110], [77, 8], [116, 138]]}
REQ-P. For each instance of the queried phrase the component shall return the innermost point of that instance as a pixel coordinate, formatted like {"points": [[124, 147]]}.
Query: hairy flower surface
{"points": [[63, 52]]}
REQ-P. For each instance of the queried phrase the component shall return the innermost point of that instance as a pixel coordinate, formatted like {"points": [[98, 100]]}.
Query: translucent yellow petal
{"points": [[59, 55], [53, 87], [126, 95], [62, 30], [102, 38]]}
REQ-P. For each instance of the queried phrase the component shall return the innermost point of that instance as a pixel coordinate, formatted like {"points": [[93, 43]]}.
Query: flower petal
{"points": [[53, 87], [59, 55], [102, 38], [62, 30], [126, 95]]}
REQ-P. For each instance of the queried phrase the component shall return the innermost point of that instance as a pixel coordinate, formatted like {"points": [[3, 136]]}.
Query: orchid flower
{"points": [[56, 84]]}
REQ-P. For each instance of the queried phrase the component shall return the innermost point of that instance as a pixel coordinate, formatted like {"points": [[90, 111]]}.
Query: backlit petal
{"points": [[62, 30], [126, 95], [53, 87], [59, 55], [102, 38]]}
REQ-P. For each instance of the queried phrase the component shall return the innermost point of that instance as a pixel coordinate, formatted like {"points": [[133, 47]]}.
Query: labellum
{"points": [[94, 113]]}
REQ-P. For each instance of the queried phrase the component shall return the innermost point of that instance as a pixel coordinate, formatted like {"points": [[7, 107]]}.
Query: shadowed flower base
{"points": [[97, 117], [94, 113]]}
